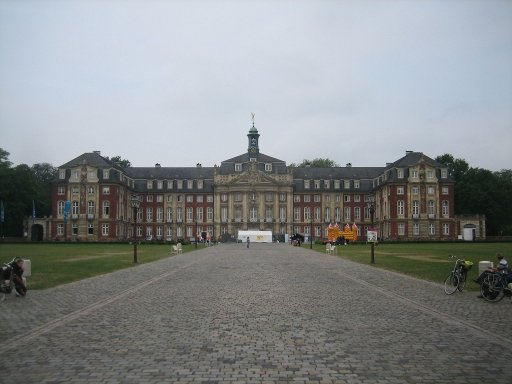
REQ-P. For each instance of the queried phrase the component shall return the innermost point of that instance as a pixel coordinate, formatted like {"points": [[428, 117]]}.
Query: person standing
{"points": [[248, 241]]}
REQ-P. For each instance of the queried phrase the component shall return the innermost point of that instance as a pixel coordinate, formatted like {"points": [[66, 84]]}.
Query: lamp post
{"points": [[197, 238], [371, 208], [135, 205], [311, 232]]}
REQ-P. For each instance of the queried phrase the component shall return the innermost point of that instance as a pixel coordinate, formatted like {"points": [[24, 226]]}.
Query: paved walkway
{"points": [[269, 314]]}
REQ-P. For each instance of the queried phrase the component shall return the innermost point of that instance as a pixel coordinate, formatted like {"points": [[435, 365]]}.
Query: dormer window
{"points": [[252, 159], [238, 167], [268, 167]]}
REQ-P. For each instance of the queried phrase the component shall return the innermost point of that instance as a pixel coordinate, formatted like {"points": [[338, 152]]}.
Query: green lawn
{"points": [[55, 264], [428, 261]]}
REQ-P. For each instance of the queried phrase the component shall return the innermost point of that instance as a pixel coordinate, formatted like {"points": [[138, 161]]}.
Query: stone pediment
{"points": [[251, 178]]}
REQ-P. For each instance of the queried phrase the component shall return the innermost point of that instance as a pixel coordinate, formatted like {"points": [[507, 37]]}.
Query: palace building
{"points": [[409, 199]]}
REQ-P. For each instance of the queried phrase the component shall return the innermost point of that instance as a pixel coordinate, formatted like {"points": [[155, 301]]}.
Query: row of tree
{"points": [[24, 189]]}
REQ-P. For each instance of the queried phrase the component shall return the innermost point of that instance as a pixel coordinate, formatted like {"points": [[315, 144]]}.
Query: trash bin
{"points": [[483, 265], [27, 268]]}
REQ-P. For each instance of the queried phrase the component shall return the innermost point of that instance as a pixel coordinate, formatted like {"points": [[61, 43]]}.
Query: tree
{"points": [[482, 191], [117, 160], [316, 163]]}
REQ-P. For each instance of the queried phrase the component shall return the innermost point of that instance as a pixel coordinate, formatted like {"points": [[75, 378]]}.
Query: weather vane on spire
{"points": [[253, 114]]}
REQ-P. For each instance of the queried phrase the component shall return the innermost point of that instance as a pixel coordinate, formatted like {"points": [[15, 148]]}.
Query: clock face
{"points": [[253, 149]]}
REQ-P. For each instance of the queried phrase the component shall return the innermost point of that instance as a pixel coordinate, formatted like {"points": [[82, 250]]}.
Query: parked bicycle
{"points": [[496, 285], [457, 278]]}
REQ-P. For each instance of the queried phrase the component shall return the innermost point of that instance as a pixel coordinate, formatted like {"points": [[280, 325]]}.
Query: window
{"points": [[282, 197], [190, 215], [307, 198], [307, 214], [445, 208], [61, 191], [268, 214], [357, 198], [430, 207], [430, 190], [90, 229], [356, 184], [444, 190], [401, 229], [190, 184], [106, 190], [169, 215], [199, 184], [317, 216], [149, 198], [224, 214], [357, 213], [446, 229], [268, 167], [431, 229], [327, 214], [253, 214], [60, 229], [159, 184], [444, 173], [268, 196], [238, 167], [149, 184], [346, 213], [252, 196], [90, 207], [90, 190], [238, 197], [337, 214], [282, 214], [179, 215], [252, 159], [199, 213], [336, 184], [159, 198], [346, 184], [296, 198], [209, 198], [416, 229], [106, 208], [399, 190], [400, 207], [327, 184], [149, 214], [199, 198], [306, 184], [159, 214], [190, 198], [209, 214], [106, 174], [346, 198], [415, 208], [179, 184], [179, 198], [169, 184], [415, 190], [296, 214], [400, 173], [430, 174], [74, 208], [224, 197], [62, 174], [104, 229], [316, 198], [414, 174]]}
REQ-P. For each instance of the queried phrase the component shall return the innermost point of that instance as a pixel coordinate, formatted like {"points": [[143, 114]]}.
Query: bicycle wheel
{"points": [[451, 283], [492, 288], [462, 280]]}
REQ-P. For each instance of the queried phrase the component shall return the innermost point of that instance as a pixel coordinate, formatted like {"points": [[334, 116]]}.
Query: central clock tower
{"points": [[253, 136]]}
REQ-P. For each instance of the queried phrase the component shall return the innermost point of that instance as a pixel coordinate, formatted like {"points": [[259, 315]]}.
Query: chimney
{"points": [[157, 165]]}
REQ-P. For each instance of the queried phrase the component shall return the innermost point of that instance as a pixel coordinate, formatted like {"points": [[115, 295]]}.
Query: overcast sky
{"points": [[175, 82]]}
